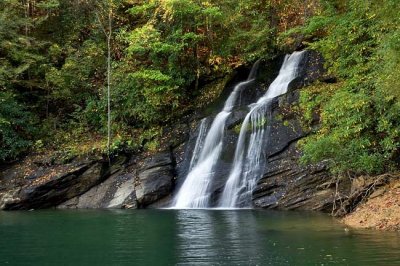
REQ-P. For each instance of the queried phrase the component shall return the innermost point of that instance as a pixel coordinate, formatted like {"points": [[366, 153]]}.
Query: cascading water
{"points": [[247, 166], [199, 143], [194, 192]]}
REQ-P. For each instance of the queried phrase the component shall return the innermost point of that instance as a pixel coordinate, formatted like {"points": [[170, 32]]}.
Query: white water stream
{"points": [[248, 161], [249, 154], [194, 192]]}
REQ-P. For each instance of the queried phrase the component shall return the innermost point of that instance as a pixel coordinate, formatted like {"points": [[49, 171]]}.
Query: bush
{"points": [[16, 127]]}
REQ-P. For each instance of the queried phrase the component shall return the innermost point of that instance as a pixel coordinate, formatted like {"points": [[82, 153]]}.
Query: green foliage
{"points": [[250, 35], [161, 62], [16, 127], [177, 43], [146, 96], [19, 52], [360, 117], [74, 81]]}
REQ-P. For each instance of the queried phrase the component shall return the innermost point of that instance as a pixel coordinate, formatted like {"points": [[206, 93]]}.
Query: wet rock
{"points": [[115, 192], [174, 135], [288, 185], [285, 183], [138, 184], [149, 180], [155, 179], [8, 197], [59, 188], [125, 196]]}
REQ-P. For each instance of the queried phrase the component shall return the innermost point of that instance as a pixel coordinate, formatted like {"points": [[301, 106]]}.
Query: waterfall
{"points": [[249, 158], [199, 143], [194, 192]]}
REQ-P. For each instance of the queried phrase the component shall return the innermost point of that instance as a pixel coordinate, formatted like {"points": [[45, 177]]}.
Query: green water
{"points": [[188, 237]]}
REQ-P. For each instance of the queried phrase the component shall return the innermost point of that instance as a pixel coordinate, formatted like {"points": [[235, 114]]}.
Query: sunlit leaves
{"points": [[360, 121]]}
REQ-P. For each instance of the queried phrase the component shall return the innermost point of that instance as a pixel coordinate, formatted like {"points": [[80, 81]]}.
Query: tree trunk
{"points": [[107, 29], [109, 82]]}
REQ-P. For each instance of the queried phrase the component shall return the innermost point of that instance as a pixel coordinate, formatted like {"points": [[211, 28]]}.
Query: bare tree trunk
{"points": [[48, 99], [210, 34], [196, 54], [109, 82], [108, 33], [26, 9]]}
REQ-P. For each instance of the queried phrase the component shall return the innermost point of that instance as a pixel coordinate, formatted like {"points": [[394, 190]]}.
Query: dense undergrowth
{"points": [[359, 130], [164, 55], [53, 68]]}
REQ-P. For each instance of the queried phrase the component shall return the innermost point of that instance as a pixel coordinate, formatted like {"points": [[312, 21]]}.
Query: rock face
{"points": [[138, 183], [93, 184], [73, 181], [155, 179], [285, 184], [118, 191]]}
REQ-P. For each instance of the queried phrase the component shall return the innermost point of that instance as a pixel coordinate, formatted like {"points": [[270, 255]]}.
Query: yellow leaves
{"points": [[219, 62], [235, 61], [173, 8], [215, 60], [206, 4]]}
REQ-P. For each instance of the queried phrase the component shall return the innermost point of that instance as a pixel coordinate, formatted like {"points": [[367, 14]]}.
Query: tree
{"points": [[19, 61], [104, 16]]}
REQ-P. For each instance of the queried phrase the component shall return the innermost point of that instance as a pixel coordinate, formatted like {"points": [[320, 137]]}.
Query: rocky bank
{"points": [[380, 209]]}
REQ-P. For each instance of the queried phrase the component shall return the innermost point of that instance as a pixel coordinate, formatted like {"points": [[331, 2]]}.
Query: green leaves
{"points": [[16, 127], [177, 43], [146, 97], [360, 120]]}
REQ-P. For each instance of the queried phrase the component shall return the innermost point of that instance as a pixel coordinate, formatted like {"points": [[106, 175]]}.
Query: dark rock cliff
{"points": [[53, 185], [285, 184]]}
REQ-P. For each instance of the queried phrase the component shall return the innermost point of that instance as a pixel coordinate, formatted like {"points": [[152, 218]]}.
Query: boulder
{"points": [[139, 183], [50, 191], [155, 179], [118, 191]]}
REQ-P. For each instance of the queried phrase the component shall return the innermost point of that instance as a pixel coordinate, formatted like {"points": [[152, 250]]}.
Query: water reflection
{"points": [[197, 241], [219, 237], [240, 227], [248, 237]]}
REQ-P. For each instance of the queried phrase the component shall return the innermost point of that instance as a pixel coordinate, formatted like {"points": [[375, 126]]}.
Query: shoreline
{"points": [[381, 211]]}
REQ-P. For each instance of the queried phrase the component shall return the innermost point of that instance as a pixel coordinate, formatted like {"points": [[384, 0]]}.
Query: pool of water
{"points": [[188, 237]]}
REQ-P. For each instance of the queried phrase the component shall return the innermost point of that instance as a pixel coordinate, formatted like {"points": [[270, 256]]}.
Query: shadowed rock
{"points": [[155, 179], [59, 188]]}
